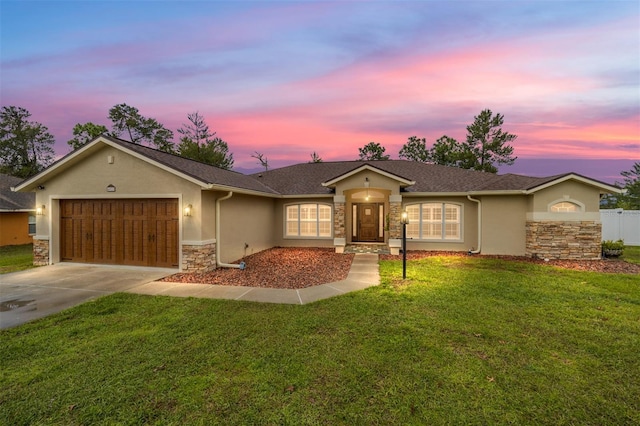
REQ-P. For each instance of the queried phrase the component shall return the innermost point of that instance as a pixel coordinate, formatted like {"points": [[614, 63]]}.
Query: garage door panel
{"points": [[104, 241], [129, 232], [135, 241], [166, 232]]}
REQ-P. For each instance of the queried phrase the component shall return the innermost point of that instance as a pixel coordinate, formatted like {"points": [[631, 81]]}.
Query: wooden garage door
{"points": [[121, 232]]}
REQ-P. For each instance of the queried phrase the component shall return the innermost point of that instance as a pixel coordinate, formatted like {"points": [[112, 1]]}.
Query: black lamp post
{"points": [[404, 220]]}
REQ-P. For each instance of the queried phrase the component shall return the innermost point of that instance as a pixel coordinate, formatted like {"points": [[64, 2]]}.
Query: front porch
{"points": [[375, 248]]}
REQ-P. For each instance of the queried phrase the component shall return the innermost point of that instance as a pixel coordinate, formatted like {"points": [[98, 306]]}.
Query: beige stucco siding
{"points": [[376, 181], [247, 220], [278, 224], [503, 224], [586, 196], [469, 219], [132, 178]]}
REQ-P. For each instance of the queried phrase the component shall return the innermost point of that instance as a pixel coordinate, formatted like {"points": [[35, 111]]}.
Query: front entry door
{"points": [[368, 222]]}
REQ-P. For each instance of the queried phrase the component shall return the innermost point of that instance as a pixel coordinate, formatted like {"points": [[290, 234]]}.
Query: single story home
{"points": [[116, 202], [17, 213]]}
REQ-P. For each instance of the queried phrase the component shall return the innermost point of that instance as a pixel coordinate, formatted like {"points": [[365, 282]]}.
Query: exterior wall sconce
{"points": [[187, 210], [111, 188], [40, 210], [366, 185], [404, 220]]}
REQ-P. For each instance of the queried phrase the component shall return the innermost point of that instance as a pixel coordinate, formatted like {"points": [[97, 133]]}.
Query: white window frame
{"points": [[32, 222], [430, 221], [296, 217]]}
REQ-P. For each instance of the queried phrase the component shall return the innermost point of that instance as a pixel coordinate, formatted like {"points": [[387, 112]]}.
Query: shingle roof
{"points": [[203, 172], [308, 178], [14, 200]]}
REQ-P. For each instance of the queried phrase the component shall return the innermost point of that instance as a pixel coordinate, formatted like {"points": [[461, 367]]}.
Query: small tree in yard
{"points": [[140, 130], [85, 133], [315, 158], [487, 143], [447, 151], [630, 200], [200, 144], [372, 151], [262, 160], [415, 150]]}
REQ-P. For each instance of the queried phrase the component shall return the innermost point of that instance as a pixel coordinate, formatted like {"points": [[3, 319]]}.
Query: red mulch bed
{"points": [[605, 265], [279, 267]]}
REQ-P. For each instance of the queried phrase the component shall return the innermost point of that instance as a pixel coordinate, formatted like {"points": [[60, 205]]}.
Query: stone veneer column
{"points": [[40, 252], [580, 240], [395, 227], [339, 227], [199, 258], [395, 216]]}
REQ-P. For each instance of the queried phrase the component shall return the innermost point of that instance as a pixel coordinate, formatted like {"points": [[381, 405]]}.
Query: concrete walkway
{"points": [[363, 273]]}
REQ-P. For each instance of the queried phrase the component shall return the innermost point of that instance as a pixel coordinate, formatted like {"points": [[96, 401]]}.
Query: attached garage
{"points": [[135, 232]]}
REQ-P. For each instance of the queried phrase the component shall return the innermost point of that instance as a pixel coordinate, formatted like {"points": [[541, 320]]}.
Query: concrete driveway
{"points": [[38, 292]]}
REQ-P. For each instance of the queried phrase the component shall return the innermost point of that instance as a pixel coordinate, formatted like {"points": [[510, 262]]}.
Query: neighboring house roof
{"points": [[14, 201], [317, 179]]}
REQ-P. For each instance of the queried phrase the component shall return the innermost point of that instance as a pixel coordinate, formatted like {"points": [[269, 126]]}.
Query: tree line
{"points": [[486, 146], [26, 147]]}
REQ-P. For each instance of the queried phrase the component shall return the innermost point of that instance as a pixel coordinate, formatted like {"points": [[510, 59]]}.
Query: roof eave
{"points": [[237, 190], [403, 182], [31, 183], [604, 188]]}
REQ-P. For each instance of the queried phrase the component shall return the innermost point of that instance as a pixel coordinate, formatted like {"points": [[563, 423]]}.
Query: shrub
{"points": [[612, 248]]}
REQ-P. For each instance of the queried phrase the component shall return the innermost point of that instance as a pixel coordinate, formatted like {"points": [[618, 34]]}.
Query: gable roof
{"points": [[14, 201], [317, 179], [205, 175]]}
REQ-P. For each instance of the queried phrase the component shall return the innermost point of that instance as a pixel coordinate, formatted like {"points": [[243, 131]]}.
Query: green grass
{"points": [[631, 254], [461, 341], [16, 258]]}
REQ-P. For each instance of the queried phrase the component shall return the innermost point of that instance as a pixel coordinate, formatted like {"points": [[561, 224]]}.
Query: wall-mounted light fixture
{"points": [[366, 185], [40, 210], [187, 210], [41, 187], [111, 188]]}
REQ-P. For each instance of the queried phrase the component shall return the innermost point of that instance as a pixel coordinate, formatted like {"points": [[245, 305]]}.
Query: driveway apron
{"points": [[38, 292]]}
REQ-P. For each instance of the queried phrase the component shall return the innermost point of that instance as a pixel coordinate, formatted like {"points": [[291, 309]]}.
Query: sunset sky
{"points": [[290, 78]]}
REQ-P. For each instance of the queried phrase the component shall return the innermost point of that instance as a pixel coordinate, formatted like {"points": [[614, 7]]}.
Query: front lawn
{"points": [[16, 258], [463, 340], [631, 254]]}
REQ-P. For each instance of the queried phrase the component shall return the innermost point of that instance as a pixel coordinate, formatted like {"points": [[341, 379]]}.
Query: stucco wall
{"points": [[278, 224], [376, 181], [245, 219], [503, 224], [14, 228], [568, 190], [469, 225], [131, 177]]}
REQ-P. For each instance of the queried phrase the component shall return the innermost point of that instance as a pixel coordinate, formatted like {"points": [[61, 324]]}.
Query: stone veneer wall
{"points": [[40, 252], [564, 240], [199, 258], [395, 216], [339, 229]]}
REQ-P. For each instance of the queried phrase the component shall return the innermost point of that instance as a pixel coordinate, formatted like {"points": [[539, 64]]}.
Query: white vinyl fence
{"points": [[618, 224]]}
